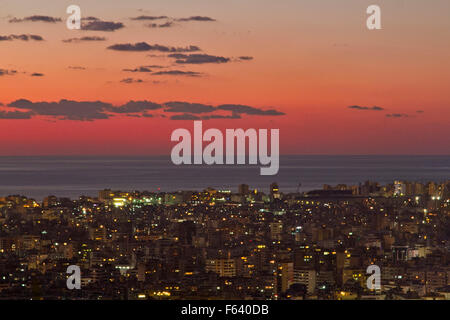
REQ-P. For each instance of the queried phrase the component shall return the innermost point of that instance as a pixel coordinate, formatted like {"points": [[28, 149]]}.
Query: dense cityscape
{"points": [[218, 244]]}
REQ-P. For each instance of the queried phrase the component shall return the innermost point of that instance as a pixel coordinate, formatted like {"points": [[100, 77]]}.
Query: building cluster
{"points": [[218, 244]]}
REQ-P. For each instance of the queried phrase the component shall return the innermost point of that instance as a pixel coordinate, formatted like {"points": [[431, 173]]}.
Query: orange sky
{"points": [[311, 61]]}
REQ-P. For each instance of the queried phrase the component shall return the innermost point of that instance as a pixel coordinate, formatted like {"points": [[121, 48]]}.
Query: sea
{"points": [[72, 176]]}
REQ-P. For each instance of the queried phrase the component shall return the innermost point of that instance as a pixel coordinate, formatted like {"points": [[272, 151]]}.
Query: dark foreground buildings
{"points": [[217, 244]]}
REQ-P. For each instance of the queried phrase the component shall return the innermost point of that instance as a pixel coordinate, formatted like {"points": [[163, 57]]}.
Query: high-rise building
{"points": [[399, 188], [244, 189], [274, 191], [223, 267], [276, 230], [284, 276], [306, 277]]}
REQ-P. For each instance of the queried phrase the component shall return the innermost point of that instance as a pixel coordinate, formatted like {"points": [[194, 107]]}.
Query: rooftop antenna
{"points": [[298, 187]]}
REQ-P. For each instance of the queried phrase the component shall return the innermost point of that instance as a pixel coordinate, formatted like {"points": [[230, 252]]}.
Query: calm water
{"points": [[72, 176]]}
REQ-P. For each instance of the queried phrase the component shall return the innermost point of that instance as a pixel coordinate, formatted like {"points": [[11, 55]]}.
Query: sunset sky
{"points": [[310, 68]]}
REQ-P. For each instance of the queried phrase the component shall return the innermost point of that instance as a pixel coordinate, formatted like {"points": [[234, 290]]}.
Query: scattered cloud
{"points": [[155, 18], [23, 37], [138, 69], [178, 106], [88, 38], [397, 115], [37, 74], [167, 24], [100, 25], [78, 110], [6, 72], [144, 46], [374, 108], [131, 80], [36, 18], [243, 109], [178, 73], [90, 18], [98, 110], [65, 109], [151, 18], [245, 58], [135, 107], [387, 115], [197, 58], [196, 18]]}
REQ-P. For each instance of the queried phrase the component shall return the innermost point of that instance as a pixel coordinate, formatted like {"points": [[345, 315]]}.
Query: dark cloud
{"points": [[15, 115], [185, 116], [23, 37], [139, 69], [154, 18], [99, 25], [149, 18], [178, 106], [178, 73], [167, 24], [93, 38], [197, 58], [144, 46], [5, 72], [131, 80], [97, 110], [135, 107], [90, 18], [397, 115], [65, 109], [245, 58], [420, 111], [80, 110], [196, 18], [36, 18], [37, 74], [243, 109], [374, 108]]}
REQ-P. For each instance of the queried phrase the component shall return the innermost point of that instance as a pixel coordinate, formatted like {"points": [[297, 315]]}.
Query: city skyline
{"points": [[215, 244]]}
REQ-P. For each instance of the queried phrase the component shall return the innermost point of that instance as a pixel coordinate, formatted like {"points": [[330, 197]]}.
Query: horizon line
{"points": [[285, 155]]}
